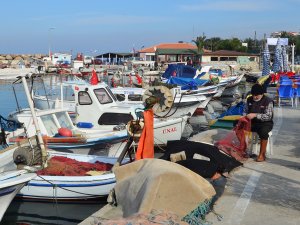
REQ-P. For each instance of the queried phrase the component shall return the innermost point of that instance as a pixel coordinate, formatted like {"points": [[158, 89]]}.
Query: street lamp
{"points": [[51, 28]]}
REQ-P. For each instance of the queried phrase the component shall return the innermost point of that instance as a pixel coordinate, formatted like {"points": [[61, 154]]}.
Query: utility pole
{"points": [[255, 40]]}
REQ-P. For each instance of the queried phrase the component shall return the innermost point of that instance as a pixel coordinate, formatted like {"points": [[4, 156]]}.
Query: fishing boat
{"points": [[32, 154], [71, 188], [96, 106], [12, 178], [60, 134], [183, 103], [110, 113], [11, 182]]}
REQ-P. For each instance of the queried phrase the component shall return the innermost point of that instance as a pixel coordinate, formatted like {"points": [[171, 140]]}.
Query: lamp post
{"points": [[51, 28]]}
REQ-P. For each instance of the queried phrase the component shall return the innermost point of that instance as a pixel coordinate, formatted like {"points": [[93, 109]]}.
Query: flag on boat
{"points": [[94, 79]]}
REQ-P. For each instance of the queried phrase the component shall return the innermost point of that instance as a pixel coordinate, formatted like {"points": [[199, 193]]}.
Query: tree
{"points": [[212, 43], [199, 42], [292, 40]]}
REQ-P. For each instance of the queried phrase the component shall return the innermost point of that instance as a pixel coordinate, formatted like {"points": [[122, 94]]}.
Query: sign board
{"points": [[273, 41]]}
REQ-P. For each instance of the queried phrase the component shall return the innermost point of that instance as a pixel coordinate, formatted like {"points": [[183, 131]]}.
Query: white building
{"points": [[61, 58]]}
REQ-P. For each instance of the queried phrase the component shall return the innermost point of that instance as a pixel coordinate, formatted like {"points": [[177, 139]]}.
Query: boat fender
{"points": [[84, 125], [65, 132]]}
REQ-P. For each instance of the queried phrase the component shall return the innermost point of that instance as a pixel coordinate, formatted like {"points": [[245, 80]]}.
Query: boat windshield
{"points": [[50, 125], [111, 94], [102, 96], [64, 120]]}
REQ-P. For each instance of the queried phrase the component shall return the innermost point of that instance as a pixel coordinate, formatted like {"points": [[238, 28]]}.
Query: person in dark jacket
{"points": [[259, 109]]}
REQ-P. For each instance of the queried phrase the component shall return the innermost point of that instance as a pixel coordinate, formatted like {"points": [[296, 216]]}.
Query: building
{"points": [[61, 58], [169, 52], [225, 59], [114, 57], [226, 55], [278, 34]]}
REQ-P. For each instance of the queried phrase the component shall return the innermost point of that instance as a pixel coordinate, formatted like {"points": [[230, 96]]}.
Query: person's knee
{"points": [[264, 134]]}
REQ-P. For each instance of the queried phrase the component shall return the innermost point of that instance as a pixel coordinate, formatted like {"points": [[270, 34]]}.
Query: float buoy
{"points": [[65, 132]]}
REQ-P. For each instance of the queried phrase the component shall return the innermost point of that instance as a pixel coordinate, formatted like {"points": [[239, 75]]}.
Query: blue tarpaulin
{"points": [[179, 70], [237, 109], [187, 83]]}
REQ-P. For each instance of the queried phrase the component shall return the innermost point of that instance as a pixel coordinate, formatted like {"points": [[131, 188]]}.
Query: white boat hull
{"points": [[10, 184], [7, 195], [68, 188], [169, 130]]}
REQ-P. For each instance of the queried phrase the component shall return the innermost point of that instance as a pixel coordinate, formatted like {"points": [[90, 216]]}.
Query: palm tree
{"points": [[199, 42]]}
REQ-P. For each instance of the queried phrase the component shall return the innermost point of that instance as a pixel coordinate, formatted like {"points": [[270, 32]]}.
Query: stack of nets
{"points": [[63, 166]]}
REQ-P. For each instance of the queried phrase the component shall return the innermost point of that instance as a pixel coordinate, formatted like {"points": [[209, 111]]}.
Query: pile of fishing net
{"points": [[236, 142], [63, 166], [148, 190]]}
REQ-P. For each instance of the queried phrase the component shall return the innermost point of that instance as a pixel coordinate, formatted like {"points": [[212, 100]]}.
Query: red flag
{"points": [[94, 79]]}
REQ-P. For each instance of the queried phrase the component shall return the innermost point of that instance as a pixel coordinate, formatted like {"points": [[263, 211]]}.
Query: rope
{"points": [[66, 189]]}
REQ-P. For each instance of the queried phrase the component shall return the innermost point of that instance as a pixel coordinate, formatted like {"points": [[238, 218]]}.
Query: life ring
{"points": [[117, 76]]}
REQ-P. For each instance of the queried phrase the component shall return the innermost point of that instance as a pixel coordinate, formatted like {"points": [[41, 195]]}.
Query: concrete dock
{"points": [[262, 192], [267, 192]]}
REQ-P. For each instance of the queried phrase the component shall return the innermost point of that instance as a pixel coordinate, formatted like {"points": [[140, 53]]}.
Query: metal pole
{"points": [[35, 122], [293, 57], [51, 28]]}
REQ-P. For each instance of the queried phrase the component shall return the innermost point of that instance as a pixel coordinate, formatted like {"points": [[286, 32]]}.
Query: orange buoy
{"points": [[65, 132]]}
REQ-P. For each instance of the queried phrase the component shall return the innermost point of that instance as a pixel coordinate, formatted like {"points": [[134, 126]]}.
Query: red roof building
{"points": [[170, 52]]}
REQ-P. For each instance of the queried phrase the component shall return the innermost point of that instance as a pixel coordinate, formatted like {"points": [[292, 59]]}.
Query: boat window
{"points": [[68, 93], [135, 97], [63, 120], [120, 97], [50, 124], [102, 96], [84, 98], [111, 94], [114, 118]]}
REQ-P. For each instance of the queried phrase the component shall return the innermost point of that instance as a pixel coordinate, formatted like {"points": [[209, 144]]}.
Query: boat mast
{"points": [[35, 122]]}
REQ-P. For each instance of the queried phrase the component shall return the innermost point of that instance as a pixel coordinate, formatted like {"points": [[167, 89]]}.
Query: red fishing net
{"points": [[235, 143], [63, 166]]}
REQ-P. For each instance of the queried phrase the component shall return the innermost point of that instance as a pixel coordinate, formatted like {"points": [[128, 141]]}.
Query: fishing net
{"points": [[63, 166], [236, 142]]}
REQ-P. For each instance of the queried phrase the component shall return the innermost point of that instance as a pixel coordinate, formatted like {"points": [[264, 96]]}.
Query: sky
{"points": [[94, 27]]}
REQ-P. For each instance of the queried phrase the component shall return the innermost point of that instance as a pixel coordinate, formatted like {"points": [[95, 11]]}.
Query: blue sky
{"points": [[97, 26]]}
